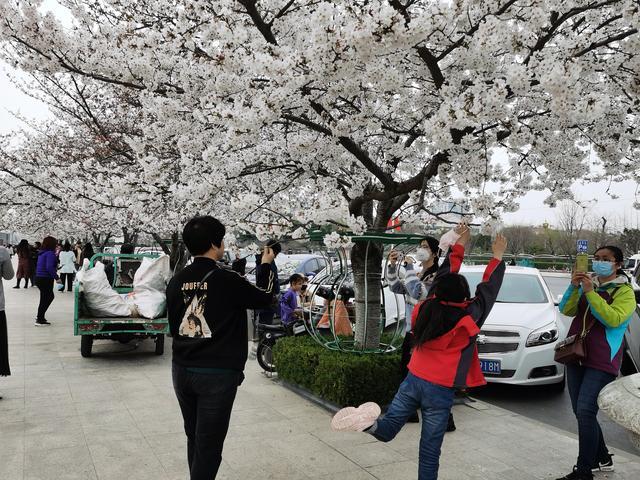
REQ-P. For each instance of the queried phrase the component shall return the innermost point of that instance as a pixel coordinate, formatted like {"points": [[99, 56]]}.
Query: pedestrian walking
{"points": [[445, 357], [206, 306], [77, 249], [67, 259], [266, 315], [6, 273], [34, 250], [602, 305], [24, 263], [46, 274]]}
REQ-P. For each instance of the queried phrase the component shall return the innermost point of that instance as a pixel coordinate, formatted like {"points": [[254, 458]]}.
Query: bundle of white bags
{"points": [[147, 300]]}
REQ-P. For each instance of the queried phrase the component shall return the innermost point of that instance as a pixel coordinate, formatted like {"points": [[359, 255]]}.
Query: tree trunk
{"points": [[129, 236], [100, 242], [366, 262], [176, 251]]}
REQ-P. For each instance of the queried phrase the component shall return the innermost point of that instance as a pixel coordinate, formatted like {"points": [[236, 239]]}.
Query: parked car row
{"points": [[305, 264], [516, 344]]}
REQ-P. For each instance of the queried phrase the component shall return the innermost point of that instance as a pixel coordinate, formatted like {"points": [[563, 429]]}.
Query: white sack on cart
{"points": [[149, 287], [147, 303], [101, 300], [153, 274]]}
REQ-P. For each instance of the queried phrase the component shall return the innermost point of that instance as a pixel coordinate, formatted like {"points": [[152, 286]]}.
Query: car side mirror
{"points": [[558, 300]]}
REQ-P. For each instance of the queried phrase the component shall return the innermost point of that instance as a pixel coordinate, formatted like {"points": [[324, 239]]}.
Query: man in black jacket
{"points": [[207, 307]]}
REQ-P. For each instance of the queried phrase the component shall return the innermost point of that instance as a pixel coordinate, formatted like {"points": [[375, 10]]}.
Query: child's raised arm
{"points": [[455, 255], [487, 291]]}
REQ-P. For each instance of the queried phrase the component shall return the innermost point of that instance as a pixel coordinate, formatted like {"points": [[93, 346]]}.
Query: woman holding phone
{"points": [[415, 288], [602, 305]]}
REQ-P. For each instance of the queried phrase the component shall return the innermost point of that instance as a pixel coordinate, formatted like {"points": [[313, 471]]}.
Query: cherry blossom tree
{"points": [[283, 114]]}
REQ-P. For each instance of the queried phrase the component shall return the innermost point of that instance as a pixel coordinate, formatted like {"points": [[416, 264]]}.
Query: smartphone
{"points": [[582, 263]]}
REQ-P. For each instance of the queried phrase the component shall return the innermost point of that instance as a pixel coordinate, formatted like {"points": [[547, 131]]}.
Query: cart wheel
{"points": [[86, 343], [159, 344]]}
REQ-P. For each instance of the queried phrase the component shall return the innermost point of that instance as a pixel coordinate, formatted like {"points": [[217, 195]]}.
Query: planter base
{"points": [[621, 401]]}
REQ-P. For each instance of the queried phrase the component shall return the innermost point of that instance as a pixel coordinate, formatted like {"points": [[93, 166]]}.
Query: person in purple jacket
{"points": [[46, 274], [289, 301]]}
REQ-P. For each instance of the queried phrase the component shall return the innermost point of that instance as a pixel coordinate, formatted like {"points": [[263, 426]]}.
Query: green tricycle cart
{"points": [[120, 329]]}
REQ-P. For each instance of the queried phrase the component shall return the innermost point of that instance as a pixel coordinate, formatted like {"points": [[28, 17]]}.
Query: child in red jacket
{"points": [[445, 357]]}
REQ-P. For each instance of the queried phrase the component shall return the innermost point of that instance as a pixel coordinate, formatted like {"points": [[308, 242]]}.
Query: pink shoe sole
{"points": [[352, 419]]}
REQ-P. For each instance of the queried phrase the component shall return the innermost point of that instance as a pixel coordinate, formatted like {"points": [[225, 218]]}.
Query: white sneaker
{"points": [[352, 419], [606, 466]]}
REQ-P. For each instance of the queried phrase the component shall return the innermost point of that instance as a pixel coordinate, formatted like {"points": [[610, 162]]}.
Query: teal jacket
{"points": [[611, 315]]}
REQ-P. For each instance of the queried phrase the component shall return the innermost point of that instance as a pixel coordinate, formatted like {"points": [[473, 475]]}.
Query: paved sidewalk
{"points": [[115, 416]]}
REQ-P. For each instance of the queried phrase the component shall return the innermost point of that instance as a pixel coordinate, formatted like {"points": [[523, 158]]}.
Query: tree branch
{"points": [[258, 21], [606, 41]]}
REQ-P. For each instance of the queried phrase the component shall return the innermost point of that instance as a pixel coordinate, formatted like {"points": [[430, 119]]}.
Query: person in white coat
{"points": [[6, 273], [67, 259]]}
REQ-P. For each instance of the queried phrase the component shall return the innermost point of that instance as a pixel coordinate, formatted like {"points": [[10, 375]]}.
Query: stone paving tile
{"points": [[12, 466], [371, 454], [60, 463], [407, 470]]}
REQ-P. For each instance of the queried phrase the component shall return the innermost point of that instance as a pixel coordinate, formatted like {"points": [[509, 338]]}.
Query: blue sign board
{"points": [[582, 246]]}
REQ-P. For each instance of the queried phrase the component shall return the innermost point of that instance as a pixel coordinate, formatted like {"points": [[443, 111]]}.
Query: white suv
{"points": [[516, 343]]}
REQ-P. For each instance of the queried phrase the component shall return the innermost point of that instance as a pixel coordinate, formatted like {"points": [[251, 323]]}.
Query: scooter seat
{"points": [[271, 328]]}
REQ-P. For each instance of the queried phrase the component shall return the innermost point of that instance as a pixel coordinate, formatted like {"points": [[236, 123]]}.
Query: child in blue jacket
{"points": [[289, 301]]}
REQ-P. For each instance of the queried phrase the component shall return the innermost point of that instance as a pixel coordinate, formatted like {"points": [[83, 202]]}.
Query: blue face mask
{"points": [[603, 269]]}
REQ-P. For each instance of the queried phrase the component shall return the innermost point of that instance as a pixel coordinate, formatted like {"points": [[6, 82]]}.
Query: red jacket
{"points": [[451, 360]]}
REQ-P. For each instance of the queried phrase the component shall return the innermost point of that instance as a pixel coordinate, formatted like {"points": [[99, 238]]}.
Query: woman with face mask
{"points": [[415, 288], [602, 305]]}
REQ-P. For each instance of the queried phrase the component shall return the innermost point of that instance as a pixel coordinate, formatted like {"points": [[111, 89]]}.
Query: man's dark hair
{"points": [[127, 248], [201, 232], [275, 246], [66, 247], [296, 277]]}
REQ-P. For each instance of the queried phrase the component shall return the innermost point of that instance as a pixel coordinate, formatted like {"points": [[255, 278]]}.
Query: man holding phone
{"points": [[266, 315], [208, 367]]}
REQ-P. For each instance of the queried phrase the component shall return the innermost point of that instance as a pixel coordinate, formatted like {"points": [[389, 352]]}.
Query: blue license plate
{"points": [[490, 366]]}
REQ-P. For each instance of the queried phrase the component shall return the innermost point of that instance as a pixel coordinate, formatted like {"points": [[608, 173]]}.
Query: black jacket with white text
{"points": [[209, 324]]}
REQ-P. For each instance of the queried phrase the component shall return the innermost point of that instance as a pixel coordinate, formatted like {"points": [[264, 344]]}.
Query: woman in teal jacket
{"points": [[606, 300]]}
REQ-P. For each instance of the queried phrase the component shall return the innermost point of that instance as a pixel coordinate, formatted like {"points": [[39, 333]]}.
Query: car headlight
{"points": [[543, 335]]}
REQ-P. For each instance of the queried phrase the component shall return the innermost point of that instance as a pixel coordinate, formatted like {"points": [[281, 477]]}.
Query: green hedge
{"points": [[338, 377]]}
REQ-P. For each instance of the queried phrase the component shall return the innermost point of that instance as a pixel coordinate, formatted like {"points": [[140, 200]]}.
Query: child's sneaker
{"points": [[352, 419]]}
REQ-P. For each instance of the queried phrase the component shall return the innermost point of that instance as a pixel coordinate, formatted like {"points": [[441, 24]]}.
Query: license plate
{"points": [[490, 366], [298, 329]]}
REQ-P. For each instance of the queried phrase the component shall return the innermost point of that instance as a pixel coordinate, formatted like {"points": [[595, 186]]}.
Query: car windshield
{"points": [[326, 278], [557, 285], [515, 288], [287, 266]]}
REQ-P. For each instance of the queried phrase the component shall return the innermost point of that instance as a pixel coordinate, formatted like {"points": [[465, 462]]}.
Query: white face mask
{"points": [[422, 255]]}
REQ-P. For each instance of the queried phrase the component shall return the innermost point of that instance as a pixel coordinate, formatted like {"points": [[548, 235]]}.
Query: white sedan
{"points": [[516, 343]]}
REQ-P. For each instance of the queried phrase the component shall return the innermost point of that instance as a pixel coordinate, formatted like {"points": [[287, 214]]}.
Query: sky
{"points": [[619, 212]]}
